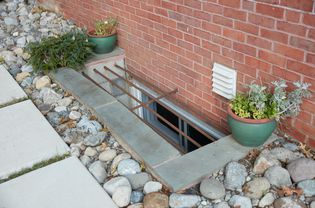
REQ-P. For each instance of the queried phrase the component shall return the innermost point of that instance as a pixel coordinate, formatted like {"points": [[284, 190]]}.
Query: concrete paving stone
{"points": [[64, 184], [26, 138], [9, 88], [82, 88], [136, 136], [192, 167]]}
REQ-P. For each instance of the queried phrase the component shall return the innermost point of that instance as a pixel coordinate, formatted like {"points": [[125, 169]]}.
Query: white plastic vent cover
{"points": [[224, 81]]}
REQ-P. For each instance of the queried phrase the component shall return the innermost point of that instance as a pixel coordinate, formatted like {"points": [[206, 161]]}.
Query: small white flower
{"points": [[73, 38]]}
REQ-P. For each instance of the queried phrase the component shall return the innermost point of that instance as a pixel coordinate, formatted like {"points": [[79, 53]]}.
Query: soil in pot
{"points": [[250, 132], [103, 44]]}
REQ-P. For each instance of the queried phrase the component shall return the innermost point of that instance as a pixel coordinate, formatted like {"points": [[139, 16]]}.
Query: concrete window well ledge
{"points": [[174, 160]]}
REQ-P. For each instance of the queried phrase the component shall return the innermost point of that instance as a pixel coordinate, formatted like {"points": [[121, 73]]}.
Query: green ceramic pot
{"points": [[103, 44], [250, 132]]}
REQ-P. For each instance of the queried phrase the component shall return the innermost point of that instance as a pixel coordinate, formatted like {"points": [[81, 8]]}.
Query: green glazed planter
{"points": [[250, 132], [103, 44]]}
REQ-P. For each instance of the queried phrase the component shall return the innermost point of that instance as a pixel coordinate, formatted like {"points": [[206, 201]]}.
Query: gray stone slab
{"points": [[191, 168], [116, 55], [82, 88], [64, 184], [9, 88], [26, 138], [136, 136]]}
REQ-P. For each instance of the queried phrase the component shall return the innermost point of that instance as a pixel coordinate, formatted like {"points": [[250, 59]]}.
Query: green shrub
{"points": [[69, 50], [260, 103]]}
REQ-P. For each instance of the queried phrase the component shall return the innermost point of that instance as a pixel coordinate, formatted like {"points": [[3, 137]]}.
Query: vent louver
{"points": [[224, 81]]}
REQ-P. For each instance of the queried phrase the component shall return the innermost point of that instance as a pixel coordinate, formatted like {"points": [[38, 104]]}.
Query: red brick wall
{"points": [[173, 44]]}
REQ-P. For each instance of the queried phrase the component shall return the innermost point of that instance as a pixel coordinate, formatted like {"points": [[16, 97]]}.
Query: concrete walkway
{"points": [[26, 139]]}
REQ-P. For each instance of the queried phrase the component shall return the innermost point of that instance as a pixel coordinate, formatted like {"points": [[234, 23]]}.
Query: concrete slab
{"points": [[191, 168], [82, 88], [26, 138], [136, 136], [9, 88], [63, 184], [116, 55]]}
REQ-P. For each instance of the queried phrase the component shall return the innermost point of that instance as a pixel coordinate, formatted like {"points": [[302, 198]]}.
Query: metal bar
{"points": [[154, 100], [148, 108], [168, 108], [147, 123]]}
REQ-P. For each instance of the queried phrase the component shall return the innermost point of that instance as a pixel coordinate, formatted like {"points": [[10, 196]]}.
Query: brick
{"points": [[310, 58], [192, 39], [168, 5], [311, 33], [235, 14], [221, 41], [233, 34], [272, 58], [196, 4], [245, 27], [258, 64], [248, 5], [301, 68], [239, 57], [211, 27], [184, 27], [302, 43], [273, 35], [292, 16], [270, 10], [229, 3], [222, 60], [212, 8], [285, 74], [175, 15], [202, 15], [305, 5], [222, 21], [259, 42], [261, 20], [309, 19], [245, 69], [192, 21], [243, 48], [291, 28], [185, 45], [202, 34], [210, 46], [289, 52], [184, 10]]}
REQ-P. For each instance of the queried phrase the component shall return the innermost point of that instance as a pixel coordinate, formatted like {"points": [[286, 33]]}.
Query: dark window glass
{"points": [[168, 115], [197, 136]]}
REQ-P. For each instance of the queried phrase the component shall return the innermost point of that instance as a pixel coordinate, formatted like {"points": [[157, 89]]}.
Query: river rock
{"points": [[89, 151], [312, 205], [121, 196], [107, 155], [152, 186], [183, 200], [49, 96], [256, 188], [27, 68], [278, 176], [138, 180], [111, 185], [21, 76], [128, 166], [118, 159], [155, 200], [74, 115], [264, 161], [136, 197], [283, 154], [235, 175], [221, 205], [301, 169], [212, 189], [89, 126], [94, 139], [308, 187], [20, 42], [139, 205], [11, 21], [287, 202], [43, 82], [65, 101], [267, 200], [85, 160], [97, 169], [240, 201]]}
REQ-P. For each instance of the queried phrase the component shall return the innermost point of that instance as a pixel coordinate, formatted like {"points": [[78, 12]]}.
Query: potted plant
{"points": [[104, 35], [254, 115]]}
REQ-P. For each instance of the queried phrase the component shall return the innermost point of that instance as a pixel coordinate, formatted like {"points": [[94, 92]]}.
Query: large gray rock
{"points": [[97, 169], [212, 189], [89, 126], [264, 161], [302, 169], [128, 167], [235, 175], [49, 96], [94, 139], [240, 201], [287, 202], [267, 200], [107, 155], [20, 42], [112, 185], [308, 187], [182, 200], [138, 180], [152, 186], [283, 154], [278, 176], [11, 21], [118, 159], [221, 205], [256, 188], [121, 196]]}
